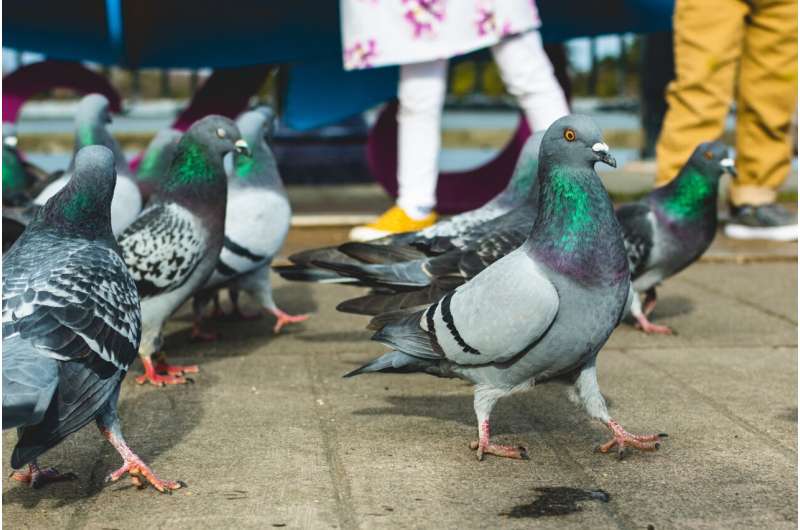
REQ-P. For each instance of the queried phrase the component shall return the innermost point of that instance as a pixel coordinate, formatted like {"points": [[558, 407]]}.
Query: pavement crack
{"points": [[339, 479]]}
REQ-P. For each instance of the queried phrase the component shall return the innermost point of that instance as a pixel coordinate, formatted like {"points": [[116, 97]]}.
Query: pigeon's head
{"points": [[93, 109], [84, 204], [575, 140], [218, 134], [257, 125], [712, 159]]}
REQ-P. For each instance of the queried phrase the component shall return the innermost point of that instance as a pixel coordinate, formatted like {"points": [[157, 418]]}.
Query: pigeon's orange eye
{"points": [[569, 135], [709, 155]]}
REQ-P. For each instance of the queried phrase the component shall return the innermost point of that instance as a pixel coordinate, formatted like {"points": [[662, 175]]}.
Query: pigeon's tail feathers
{"points": [[377, 303], [376, 254], [301, 273], [402, 332], [84, 388], [444, 265], [29, 381], [406, 274], [395, 362]]}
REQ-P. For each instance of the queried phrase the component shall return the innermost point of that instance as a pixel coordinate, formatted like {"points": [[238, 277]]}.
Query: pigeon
{"points": [[539, 314], [172, 247], [156, 161], [71, 326], [92, 117], [455, 232], [257, 221], [672, 227], [21, 179]]}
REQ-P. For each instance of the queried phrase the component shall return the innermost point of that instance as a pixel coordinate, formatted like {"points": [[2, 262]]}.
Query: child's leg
{"points": [[529, 77]]}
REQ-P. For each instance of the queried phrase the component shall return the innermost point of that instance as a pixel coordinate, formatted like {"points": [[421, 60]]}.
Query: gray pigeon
{"points": [[156, 161], [456, 232], [672, 227], [91, 121], [542, 312], [172, 247], [71, 325], [257, 221]]}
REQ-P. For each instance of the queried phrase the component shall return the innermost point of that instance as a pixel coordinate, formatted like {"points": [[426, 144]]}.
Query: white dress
{"points": [[393, 32]]}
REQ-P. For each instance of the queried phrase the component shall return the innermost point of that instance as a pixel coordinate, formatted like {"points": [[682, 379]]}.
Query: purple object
{"points": [[457, 191]]}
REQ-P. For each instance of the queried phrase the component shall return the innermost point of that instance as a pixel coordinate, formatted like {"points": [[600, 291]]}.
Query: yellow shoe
{"points": [[393, 221]]}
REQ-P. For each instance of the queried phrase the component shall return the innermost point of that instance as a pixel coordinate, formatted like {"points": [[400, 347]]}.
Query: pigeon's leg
{"points": [[233, 293], [258, 285], [218, 312], [485, 399], [650, 299], [593, 401], [38, 477], [199, 304], [170, 374], [141, 474], [641, 319]]}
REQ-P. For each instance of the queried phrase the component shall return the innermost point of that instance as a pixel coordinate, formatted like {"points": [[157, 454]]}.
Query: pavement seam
{"points": [[744, 301], [718, 407], [340, 482]]}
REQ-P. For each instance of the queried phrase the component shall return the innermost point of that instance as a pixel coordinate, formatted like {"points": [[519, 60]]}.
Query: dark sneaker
{"points": [[768, 221]]}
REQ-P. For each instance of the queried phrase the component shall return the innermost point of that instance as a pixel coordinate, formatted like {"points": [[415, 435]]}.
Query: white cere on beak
{"points": [[10, 141], [221, 132], [727, 162], [600, 147]]}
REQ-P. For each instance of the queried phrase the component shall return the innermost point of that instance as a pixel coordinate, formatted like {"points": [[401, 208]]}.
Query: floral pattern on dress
{"points": [[424, 15], [360, 54], [484, 17]]}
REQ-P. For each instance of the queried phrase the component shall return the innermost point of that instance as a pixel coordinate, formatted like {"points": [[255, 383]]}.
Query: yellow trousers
{"points": [[745, 49]]}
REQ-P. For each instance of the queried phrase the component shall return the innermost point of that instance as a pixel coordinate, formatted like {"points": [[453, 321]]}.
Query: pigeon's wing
{"points": [[638, 225], [70, 303], [162, 248], [509, 233], [499, 314]]}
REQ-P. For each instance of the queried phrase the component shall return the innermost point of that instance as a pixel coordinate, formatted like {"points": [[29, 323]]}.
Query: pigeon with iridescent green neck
{"points": [[672, 227], [172, 247], [91, 128], [71, 325], [457, 232], [256, 225], [540, 314], [156, 161], [21, 179]]}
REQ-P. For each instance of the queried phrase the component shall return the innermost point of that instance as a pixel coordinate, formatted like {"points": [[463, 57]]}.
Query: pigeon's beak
{"points": [[10, 141], [242, 148], [601, 150], [729, 166]]}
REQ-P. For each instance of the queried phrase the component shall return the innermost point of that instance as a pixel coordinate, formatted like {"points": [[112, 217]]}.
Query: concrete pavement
{"points": [[270, 436]]}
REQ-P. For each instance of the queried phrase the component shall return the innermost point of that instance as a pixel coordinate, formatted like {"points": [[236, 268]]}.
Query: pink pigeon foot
{"points": [[285, 318], [482, 446], [621, 437], [38, 477]]}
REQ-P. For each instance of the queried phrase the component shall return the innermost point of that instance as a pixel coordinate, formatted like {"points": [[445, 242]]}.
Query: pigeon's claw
{"points": [[141, 475], [161, 373], [483, 446], [648, 327], [506, 451], [286, 318], [37, 477], [622, 438]]}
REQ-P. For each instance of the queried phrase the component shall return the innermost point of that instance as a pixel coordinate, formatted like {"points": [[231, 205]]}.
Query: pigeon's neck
{"points": [[690, 196], [259, 169], [576, 232], [79, 210], [15, 178], [92, 133], [194, 171], [523, 182], [154, 165]]}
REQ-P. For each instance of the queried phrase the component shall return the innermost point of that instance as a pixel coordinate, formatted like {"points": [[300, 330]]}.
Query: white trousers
{"points": [[528, 76]]}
